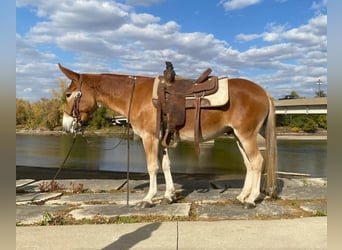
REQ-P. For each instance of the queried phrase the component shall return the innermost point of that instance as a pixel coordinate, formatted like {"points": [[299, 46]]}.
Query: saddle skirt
{"points": [[216, 99]]}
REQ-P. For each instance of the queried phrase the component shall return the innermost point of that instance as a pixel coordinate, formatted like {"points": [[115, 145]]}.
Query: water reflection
{"points": [[221, 156], [303, 157], [110, 154]]}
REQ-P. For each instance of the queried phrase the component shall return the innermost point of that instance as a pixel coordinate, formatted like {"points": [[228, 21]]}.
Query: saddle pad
{"points": [[217, 99]]}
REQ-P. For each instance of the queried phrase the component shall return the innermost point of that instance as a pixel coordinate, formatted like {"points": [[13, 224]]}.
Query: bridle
{"points": [[77, 125], [75, 111]]}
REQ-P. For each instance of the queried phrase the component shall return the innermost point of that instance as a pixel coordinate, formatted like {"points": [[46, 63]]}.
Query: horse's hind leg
{"points": [[246, 190], [253, 161]]}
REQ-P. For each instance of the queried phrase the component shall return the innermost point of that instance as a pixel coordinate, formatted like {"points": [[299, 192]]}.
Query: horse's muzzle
{"points": [[70, 124]]}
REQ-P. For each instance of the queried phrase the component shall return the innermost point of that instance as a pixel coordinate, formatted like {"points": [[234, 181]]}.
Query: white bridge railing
{"points": [[302, 106]]}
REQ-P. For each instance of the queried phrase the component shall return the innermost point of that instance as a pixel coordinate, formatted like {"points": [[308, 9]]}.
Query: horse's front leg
{"points": [[151, 151], [170, 190]]}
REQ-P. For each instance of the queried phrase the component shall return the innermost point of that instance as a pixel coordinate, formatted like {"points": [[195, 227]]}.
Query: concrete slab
{"points": [[315, 207], [143, 185], [227, 184], [98, 198], [104, 236], [303, 193], [193, 184], [29, 198], [236, 211], [304, 233], [214, 199], [23, 182], [96, 185], [30, 214], [316, 181], [90, 211], [212, 195], [301, 182], [68, 184]]}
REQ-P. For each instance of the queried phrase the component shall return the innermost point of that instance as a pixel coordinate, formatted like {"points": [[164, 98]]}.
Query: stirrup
{"points": [[168, 140]]}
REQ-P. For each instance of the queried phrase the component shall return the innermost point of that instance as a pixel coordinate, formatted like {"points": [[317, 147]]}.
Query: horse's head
{"points": [[80, 100]]}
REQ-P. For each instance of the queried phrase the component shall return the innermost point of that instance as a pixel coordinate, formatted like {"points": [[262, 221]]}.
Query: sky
{"points": [[279, 44]]}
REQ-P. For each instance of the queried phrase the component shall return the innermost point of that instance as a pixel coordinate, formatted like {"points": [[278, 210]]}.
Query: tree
{"points": [[60, 93], [22, 111], [295, 94], [320, 93], [54, 113], [99, 118], [45, 113]]}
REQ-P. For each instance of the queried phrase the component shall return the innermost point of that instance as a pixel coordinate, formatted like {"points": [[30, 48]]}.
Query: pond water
{"points": [[110, 154]]}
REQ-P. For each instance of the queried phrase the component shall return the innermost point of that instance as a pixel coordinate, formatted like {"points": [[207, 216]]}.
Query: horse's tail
{"points": [[271, 151]]}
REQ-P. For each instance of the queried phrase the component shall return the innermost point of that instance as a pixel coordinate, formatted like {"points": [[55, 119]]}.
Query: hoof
{"points": [[144, 204], [166, 201], [274, 196], [272, 193], [240, 199], [249, 205]]}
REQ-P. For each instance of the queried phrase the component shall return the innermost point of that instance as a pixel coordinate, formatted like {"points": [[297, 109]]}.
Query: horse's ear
{"points": [[69, 73]]}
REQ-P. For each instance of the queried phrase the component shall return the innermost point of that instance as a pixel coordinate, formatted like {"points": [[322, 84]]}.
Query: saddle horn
{"points": [[169, 73]]}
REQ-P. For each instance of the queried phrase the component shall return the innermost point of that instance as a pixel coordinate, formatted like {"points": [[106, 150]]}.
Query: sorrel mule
{"points": [[249, 109]]}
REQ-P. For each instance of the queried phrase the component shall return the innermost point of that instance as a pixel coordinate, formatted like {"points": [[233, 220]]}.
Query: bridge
{"points": [[302, 106], [307, 106]]}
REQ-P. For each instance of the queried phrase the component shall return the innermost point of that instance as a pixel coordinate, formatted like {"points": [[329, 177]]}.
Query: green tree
{"points": [[99, 118], [22, 111], [295, 94], [45, 113], [320, 93]]}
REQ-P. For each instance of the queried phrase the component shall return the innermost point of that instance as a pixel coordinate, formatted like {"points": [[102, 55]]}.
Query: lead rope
{"points": [[76, 113], [64, 161], [133, 78]]}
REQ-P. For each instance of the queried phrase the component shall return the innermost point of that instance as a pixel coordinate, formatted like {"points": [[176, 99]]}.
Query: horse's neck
{"points": [[114, 92]]}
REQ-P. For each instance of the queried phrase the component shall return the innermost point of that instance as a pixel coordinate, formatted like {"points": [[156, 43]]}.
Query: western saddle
{"points": [[175, 95]]}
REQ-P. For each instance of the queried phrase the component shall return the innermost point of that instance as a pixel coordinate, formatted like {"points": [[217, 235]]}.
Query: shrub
{"points": [[298, 121], [310, 126], [98, 119], [295, 129], [322, 121]]}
